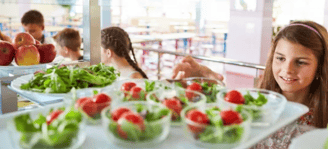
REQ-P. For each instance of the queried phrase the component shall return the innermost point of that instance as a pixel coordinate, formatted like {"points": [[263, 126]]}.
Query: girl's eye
{"points": [[301, 63], [280, 58]]}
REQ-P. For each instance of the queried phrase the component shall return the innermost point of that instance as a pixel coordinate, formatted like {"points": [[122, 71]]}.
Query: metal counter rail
{"points": [[217, 59]]}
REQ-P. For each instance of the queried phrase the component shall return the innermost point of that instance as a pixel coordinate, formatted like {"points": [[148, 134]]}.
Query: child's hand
{"points": [[192, 69]]}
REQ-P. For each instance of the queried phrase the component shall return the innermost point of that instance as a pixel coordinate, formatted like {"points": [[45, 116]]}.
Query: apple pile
{"points": [[26, 51]]}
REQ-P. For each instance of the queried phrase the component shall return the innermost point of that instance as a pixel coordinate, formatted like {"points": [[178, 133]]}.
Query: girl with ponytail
{"points": [[115, 50]]}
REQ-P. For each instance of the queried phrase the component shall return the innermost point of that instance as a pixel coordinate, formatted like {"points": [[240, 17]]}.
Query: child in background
{"points": [[33, 23], [4, 37], [115, 50], [68, 44], [297, 68]]}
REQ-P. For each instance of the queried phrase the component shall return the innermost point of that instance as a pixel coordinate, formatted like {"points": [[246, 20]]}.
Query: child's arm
{"points": [[192, 69], [136, 75]]}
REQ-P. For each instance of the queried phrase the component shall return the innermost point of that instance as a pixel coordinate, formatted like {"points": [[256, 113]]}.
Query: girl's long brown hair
{"points": [[318, 88], [118, 40], [1, 36]]}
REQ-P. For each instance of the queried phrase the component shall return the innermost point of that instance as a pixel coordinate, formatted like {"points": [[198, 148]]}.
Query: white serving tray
{"points": [[312, 139], [96, 137]]}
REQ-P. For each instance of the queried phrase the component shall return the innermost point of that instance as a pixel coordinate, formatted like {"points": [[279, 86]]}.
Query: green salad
{"points": [[208, 89], [236, 97], [59, 129], [61, 79], [215, 125], [132, 92], [139, 125]]}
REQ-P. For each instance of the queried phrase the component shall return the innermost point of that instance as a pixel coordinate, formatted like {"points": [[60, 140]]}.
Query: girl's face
{"points": [[294, 66]]}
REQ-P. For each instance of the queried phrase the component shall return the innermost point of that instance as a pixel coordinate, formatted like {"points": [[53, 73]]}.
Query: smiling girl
{"points": [[297, 68]]}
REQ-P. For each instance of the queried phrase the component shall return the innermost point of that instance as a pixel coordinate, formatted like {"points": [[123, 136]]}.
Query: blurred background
{"points": [[215, 29]]}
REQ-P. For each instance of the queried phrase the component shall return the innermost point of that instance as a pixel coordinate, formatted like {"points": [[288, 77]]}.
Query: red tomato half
{"points": [[127, 86], [234, 97], [53, 115], [199, 118], [132, 118], [174, 105], [80, 101], [135, 92], [230, 117], [194, 87], [90, 108], [102, 100], [119, 112]]}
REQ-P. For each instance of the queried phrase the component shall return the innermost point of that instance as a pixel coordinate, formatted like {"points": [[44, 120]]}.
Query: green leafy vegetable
{"points": [[250, 100], [59, 134], [62, 79]]}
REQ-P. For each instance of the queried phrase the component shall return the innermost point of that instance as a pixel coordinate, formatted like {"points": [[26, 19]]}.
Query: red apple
{"points": [[47, 52], [7, 53], [23, 39], [27, 55]]}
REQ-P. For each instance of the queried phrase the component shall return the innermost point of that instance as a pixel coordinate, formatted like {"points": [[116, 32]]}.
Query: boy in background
{"points": [[68, 44], [33, 23]]}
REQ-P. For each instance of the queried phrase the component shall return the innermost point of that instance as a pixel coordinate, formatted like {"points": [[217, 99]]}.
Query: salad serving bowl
{"points": [[176, 100], [135, 89], [47, 127], [210, 126], [90, 102], [265, 106], [136, 124], [209, 87]]}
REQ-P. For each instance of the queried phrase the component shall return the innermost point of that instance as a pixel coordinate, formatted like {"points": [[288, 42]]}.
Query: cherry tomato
{"points": [[234, 97], [53, 115], [132, 118], [194, 87], [199, 118], [90, 108], [102, 100], [230, 117], [127, 86], [135, 92], [80, 101], [119, 112], [175, 106]]}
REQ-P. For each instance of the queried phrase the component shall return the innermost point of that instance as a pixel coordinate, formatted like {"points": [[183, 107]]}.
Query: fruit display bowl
{"points": [[141, 125], [213, 129], [263, 115]]}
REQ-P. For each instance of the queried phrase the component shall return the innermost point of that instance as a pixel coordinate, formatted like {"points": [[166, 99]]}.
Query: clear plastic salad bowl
{"points": [[153, 127], [130, 94], [214, 133], [210, 87], [263, 114], [176, 100], [86, 101], [42, 129]]}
